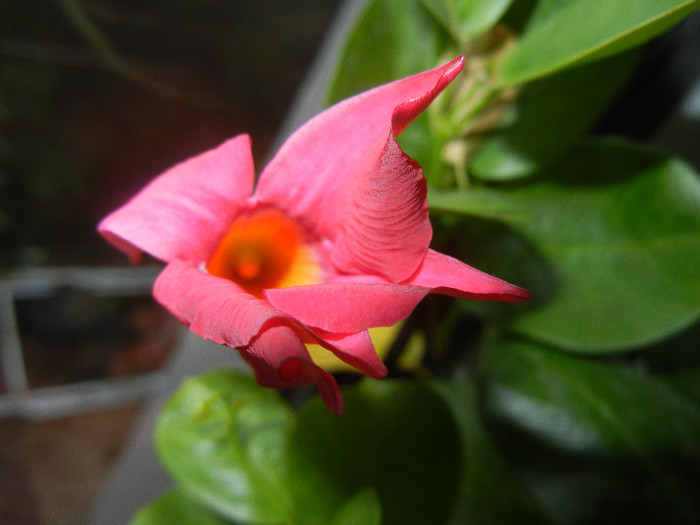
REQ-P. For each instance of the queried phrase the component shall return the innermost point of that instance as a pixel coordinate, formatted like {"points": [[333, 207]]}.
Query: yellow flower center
{"points": [[265, 250]]}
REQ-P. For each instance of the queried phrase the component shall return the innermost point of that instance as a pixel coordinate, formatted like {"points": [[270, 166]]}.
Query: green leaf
{"points": [[490, 491], [610, 250], [466, 19], [176, 508], [561, 33], [396, 438], [364, 508], [478, 202], [597, 442], [549, 116], [222, 437], [391, 40]]}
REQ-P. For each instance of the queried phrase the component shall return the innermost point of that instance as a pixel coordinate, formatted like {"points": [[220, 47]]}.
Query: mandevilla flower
{"points": [[334, 240]]}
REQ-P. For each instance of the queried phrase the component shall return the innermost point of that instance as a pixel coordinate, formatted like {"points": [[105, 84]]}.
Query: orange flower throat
{"points": [[265, 250]]}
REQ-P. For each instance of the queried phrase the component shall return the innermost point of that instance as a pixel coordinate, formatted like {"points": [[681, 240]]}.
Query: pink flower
{"points": [[333, 240]]}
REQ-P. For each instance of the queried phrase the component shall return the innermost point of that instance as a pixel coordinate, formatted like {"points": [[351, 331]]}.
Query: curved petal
{"points": [[446, 275], [183, 213], [214, 308], [388, 232], [311, 174], [219, 310], [357, 350], [353, 306], [347, 308], [290, 369]]}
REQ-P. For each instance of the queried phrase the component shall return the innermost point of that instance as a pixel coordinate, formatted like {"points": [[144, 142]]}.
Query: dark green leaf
{"points": [[548, 117], [610, 249], [597, 442], [176, 508], [364, 508], [222, 437], [395, 437], [490, 491], [561, 33]]}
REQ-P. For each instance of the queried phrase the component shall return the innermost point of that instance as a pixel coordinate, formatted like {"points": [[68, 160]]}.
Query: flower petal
{"points": [[214, 308], [347, 308], [446, 275], [277, 369], [183, 213], [219, 310], [357, 350], [388, 232], [312, 173], [352, 306]]}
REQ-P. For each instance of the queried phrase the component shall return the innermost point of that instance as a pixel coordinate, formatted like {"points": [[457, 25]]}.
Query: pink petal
{"points": [[352, 306], [389, 231], [219, 310], [446, 275], [347, 308], [357, 350], [292, 368], [311, 175], [184, 212], [214, 308]]}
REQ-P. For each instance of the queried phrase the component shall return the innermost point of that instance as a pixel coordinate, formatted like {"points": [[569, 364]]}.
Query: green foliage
{"points": [[222, 439], [177, 508], [597, 442], [563, 33], [465, 19], [609, 246], [395, 437], [533, 134], [237, 451]]}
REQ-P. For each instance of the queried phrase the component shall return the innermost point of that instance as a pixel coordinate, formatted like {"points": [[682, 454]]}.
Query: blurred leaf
{"points": [[597, 442], [478, 202], [465, 19], [395, 438], [176, 508], [222, 437], [490, 491], [675, 354], [391, 40], [548, 117], [610, 249], [561, 33], [364, 508]]}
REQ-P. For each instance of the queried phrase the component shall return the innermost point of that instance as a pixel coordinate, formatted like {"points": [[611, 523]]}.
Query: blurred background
{"points": [[96, 98]]}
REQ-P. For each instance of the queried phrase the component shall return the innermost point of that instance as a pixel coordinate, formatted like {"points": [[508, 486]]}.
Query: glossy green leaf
{"points": [[610, 250], [561, 33], [222, 437], [364, 508], [176, 508], [549, 116], [596, 442], [465, 19], [396, 437], [490, 491], [390, 40]]}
